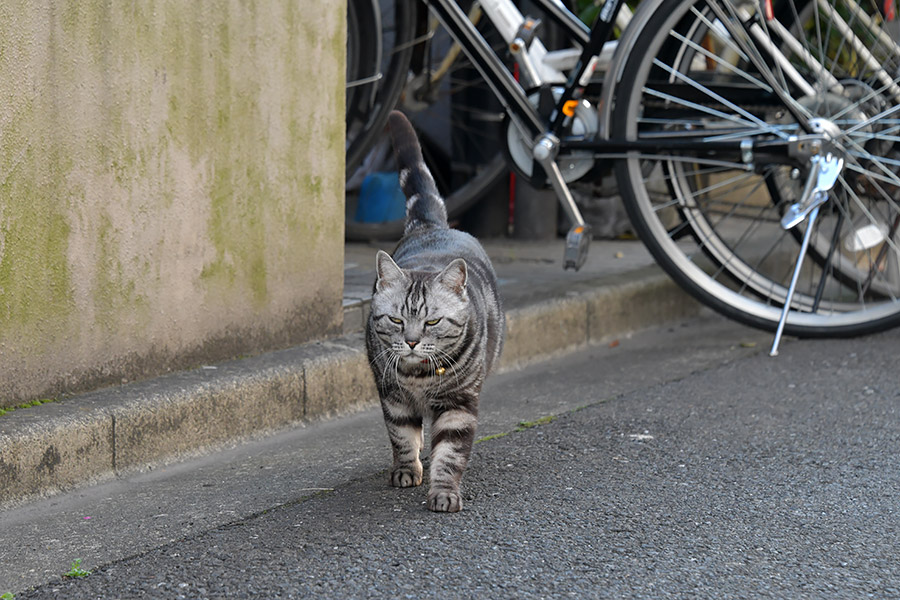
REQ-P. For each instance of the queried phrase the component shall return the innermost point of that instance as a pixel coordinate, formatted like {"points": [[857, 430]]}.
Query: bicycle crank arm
{"points": [[579, 238]]}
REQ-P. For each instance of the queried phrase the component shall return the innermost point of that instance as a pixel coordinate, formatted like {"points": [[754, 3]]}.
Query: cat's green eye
{"points": [[396, 320], [433, 322]]}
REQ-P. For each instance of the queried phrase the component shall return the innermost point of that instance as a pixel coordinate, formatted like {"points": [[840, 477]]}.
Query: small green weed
{"points": [[31, 404], [491, 437], [76, 570], [8, 596], [523, 425]]}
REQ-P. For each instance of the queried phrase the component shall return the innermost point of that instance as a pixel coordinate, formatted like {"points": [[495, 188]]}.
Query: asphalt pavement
{"points": [[680, 462]]}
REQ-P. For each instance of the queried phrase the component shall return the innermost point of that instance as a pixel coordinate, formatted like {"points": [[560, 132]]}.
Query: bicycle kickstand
{"points": [[579, 237], [823, 174]]}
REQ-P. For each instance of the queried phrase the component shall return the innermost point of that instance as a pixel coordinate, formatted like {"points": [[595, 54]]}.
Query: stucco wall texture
{"points": [[171, 185]]}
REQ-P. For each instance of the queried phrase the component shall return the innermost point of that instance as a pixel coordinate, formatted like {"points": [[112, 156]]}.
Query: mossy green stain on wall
{"points": [[239, 193], [183, 40], [170, 173], [328, 138], [34, 273], [247, 204], [115, 294], [34, 233], [237, 231]]}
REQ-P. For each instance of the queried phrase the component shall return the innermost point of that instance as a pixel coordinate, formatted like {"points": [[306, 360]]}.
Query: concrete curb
{"points": [[96, 436]]}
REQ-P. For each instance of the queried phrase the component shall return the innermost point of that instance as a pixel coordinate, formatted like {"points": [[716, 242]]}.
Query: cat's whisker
{"points": [[397, 371], [385, 372], [437, 368], [378, 356], [451, 363], [382, 353]]}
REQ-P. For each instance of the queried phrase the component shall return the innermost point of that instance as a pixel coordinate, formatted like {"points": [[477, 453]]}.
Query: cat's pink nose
{"points": [[412, 343]]}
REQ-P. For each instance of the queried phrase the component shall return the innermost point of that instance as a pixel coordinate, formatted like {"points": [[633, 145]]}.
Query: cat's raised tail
{"points": [[424, 206]]}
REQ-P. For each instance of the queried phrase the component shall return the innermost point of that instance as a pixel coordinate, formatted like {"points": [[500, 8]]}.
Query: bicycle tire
{"points": [[363, 61], [379, 42], [457, 120], [732, 215]]}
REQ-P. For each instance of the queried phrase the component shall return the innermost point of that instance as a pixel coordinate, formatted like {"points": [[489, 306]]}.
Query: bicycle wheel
{"points": [[713, 221], [379, 47], [458, 122]]}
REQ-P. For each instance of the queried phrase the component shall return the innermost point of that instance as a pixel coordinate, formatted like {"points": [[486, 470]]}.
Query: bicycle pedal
{"points": [[577, 242]]}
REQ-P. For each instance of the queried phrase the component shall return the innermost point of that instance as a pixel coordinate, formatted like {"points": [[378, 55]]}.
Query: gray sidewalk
{"points": [[136, 427]]}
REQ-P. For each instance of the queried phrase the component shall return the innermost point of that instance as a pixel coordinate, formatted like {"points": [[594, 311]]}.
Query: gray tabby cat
{"points": [[434, 333]]}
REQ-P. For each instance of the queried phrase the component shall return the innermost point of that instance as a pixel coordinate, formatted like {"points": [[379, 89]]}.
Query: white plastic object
{"points": [[865, 236]]}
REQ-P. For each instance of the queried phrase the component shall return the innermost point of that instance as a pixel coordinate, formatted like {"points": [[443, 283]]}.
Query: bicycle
{"points": [[753, 143]]}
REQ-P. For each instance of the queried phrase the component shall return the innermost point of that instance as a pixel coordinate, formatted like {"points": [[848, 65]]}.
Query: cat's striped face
{"points": [[418, 316]]}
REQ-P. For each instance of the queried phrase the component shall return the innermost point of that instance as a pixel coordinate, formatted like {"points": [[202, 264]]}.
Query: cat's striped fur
{"points": [[435, 331]]}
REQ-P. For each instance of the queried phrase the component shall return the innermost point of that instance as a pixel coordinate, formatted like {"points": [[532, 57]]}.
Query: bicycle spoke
{"points": [[832, 247], [874, 178], [724, 64], [783, 66], [753, 119], [875, 93], [720, 30], [731, 184], [870, 25], [826, 79], [740, 135], [858, 46], [883, 114]]}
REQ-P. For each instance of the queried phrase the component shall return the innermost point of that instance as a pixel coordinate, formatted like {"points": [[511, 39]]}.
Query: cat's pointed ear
{"points": [[389, 274], [454, 276]]}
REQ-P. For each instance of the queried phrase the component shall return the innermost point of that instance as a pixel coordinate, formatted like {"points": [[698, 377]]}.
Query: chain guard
{"points": [[574, 164]]}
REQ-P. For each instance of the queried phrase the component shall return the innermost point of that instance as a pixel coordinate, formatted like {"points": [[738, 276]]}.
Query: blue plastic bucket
{"points": [[380, 199]]}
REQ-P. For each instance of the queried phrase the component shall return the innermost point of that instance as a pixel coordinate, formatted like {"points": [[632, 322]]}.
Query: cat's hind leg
{"points": [[452, 436], [404, 426]]}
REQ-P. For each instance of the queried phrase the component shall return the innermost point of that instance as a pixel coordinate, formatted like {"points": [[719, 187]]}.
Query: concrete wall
{"points": [[171, 185]]}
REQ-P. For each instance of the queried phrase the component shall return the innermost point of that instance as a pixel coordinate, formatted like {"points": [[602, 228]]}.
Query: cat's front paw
{"points": [[444, 501], [407, 476]]}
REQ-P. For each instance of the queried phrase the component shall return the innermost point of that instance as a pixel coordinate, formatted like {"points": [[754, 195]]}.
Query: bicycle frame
{"points": [[501, 81], [525, 116]]}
